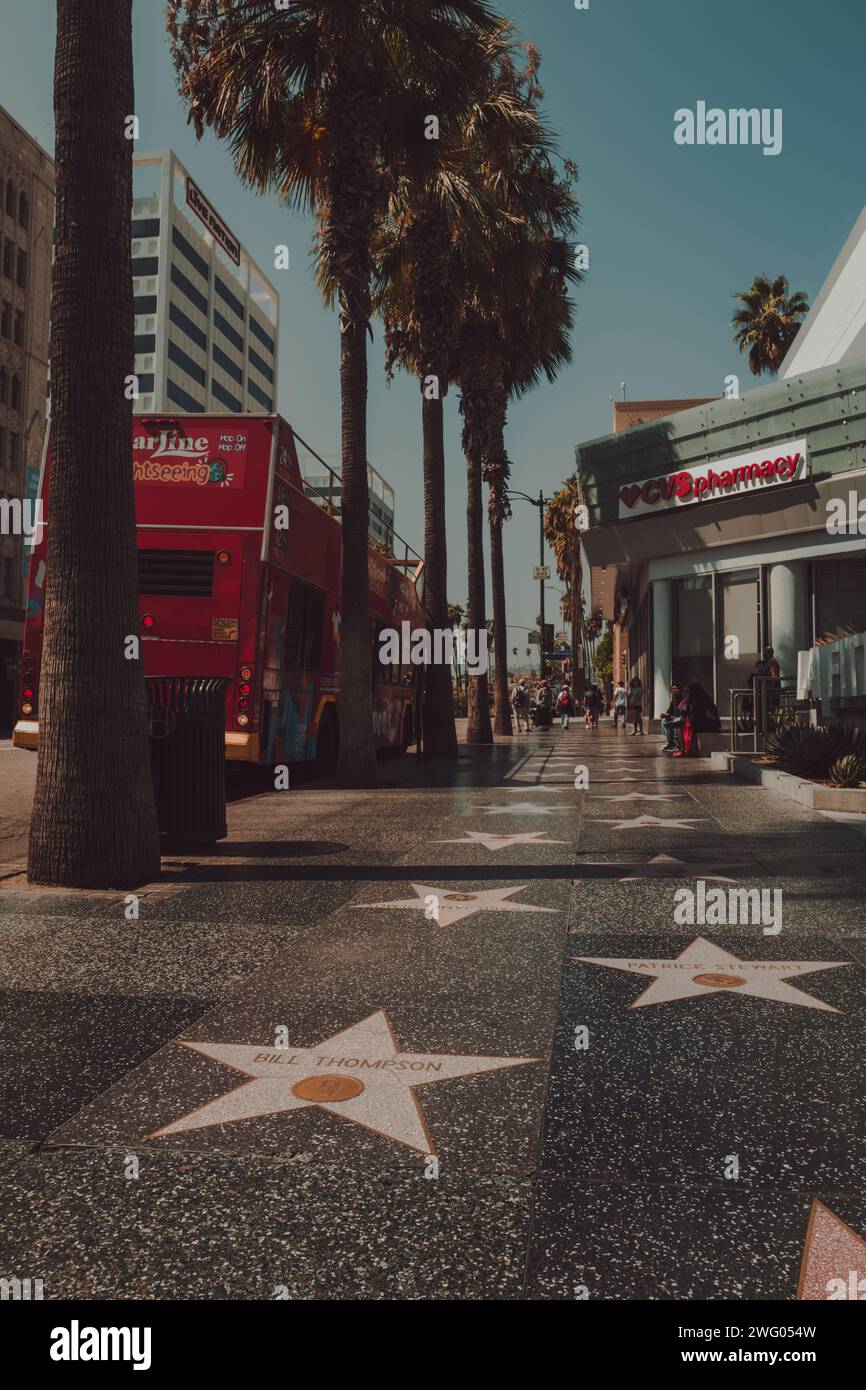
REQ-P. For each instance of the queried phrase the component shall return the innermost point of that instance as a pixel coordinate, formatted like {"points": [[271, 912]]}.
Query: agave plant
{"points": [[811, 752], [849, 771]]}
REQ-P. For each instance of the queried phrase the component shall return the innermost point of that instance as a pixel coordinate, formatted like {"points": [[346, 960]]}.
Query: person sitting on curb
{"points": [[700, 716], [670, 720]]}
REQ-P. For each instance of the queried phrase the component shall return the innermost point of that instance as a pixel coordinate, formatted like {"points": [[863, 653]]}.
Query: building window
{"points": [[4, 386], [145, 265], [6, 321], [258, 395], [185, 249], [223, 360], [24, 211], [8, 258], [262, 336], [16, 392], [186, 325], [182, 398], [225, 396], [692, 619], [193, 295], [260, 364], [145, 342], [10, 200], [14, 451], [2, 446], [231, 300], [227, 331], [145, 383], [145, 226], [184, 361], [19, 327], [22, 269], [144, 304]]}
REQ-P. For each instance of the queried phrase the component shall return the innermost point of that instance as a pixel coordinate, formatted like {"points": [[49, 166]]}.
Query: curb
{"points": [[814, 795]]}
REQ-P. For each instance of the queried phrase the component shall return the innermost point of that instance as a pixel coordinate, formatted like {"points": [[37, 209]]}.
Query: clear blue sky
{"points": [[673, 231]]}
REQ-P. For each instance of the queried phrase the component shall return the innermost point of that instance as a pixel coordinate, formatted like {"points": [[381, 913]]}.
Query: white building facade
{"points": [[206, 316]]}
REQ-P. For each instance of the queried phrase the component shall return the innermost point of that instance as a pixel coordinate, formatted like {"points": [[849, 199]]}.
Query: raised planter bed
{"points": [[816, 795]]}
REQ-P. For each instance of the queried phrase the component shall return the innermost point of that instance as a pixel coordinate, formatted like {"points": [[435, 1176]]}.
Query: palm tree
{"points": [[534, 344], [563, 537], [528, 202], [768, 322], [318, 103], [438, 223], [94, 819]]}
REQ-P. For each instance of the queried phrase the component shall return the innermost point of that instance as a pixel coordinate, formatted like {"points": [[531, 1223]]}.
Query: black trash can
{"points": [[186, 722]]}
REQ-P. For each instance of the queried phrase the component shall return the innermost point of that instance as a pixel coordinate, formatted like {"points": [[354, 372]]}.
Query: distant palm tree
{"points": [[768, 322], [438, 221], [319, 102], [563, 536], [94, 818]]}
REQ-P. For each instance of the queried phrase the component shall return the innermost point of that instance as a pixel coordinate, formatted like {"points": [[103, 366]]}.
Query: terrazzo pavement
{"points": [[368, 1048]]}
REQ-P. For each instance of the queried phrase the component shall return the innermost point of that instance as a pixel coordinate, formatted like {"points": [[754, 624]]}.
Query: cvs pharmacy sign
{"points": [[731, 477]]}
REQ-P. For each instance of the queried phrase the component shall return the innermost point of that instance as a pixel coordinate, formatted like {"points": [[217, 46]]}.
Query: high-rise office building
{"points": [[26, 222], [206, 316]]}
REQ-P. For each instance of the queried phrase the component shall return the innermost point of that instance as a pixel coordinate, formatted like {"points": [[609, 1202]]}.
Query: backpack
{"points": [[518, 698]]}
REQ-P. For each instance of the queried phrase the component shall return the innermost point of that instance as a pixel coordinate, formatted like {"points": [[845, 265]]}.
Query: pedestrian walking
{"points": [[634, 704], [619, 705], [564, 706], [520, 706]]}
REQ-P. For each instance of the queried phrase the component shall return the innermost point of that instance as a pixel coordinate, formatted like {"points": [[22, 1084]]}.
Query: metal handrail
{"points": [[754, 709]]}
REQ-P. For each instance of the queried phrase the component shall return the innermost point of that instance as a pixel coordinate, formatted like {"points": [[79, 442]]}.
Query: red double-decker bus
{"points": [[239, 576]]}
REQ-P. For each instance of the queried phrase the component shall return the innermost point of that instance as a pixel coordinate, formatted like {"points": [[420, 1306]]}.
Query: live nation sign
{"points": [[730, 477]]}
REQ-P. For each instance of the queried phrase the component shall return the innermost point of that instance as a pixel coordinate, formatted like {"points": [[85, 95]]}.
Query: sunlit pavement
{"points": [[445, 1039]]}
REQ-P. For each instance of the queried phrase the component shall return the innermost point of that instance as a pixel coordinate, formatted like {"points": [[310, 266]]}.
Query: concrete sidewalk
{"points": [[452, 1038]]}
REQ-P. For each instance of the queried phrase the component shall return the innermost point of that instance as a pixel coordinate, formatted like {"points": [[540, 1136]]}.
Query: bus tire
{"points": [[327, 744]]}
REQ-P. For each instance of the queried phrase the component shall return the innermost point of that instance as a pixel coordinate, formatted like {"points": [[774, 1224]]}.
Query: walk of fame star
{"points": [[522, 808], [703, 968], [359, 1073], [659, 864], [491, 841], [645, 822], [833, 1266], [521, 790], [638, 796], [454, 905]]}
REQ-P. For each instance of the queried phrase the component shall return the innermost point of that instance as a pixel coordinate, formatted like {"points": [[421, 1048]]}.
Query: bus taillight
{"points": [[148, 621]]}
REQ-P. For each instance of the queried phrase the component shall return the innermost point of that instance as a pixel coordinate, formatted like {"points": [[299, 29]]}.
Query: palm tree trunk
{"points": [[346, 238], [575, 583], [439, 730], [502, 711], [479, 728], [94, 819]]}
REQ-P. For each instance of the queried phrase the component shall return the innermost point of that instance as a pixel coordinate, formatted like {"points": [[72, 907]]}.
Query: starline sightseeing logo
{"points": [[200, 460]]}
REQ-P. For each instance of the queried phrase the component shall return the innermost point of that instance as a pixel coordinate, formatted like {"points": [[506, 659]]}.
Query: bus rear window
{"points": [[183, 573], [304, 626]]}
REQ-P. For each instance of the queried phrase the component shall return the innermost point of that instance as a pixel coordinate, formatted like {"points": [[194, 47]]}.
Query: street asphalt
{"points": [[454, 1038]]}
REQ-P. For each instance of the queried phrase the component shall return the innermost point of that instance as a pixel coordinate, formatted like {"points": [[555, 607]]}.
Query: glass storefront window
{"points": [[840, 596], [692, 616], [737, 633]]}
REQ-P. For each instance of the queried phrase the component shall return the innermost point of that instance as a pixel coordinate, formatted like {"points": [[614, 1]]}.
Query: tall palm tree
{"points": [[318, 102], [94, 819], [768, 322], [533, 343], [563, 536], [437, 223]]}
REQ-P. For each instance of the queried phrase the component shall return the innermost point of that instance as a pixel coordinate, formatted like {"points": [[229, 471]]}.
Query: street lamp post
{"points": [[540, 502]]}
